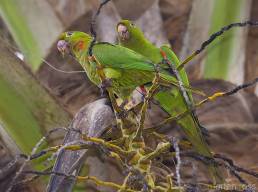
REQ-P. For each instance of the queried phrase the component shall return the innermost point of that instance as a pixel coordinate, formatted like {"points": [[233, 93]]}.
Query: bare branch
{"points": [[92, 120]]}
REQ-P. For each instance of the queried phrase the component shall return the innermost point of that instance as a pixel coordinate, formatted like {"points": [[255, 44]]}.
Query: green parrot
{"points": [[172, 102], [124, 67]]}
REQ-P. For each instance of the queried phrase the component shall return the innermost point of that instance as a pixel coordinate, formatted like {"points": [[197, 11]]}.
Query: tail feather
{"points": [[173, 103]]}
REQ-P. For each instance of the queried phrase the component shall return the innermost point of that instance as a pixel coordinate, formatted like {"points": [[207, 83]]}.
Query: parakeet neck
{"points": [[81, 47], [142, 46]]}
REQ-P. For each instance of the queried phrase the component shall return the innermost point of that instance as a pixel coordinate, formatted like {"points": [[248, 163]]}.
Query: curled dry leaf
{"points": [[139, 7], [92, 120], [153, 30]]}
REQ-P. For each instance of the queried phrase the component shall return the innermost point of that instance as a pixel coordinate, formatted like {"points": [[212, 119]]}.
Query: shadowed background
{"points": [[35, 98]]}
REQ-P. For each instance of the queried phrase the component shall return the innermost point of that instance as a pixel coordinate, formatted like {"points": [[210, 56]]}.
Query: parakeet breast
{"points": [[129, 81], [123, 82], [90, 70]]}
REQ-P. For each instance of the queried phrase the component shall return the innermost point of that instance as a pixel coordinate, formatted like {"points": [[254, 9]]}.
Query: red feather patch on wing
{"points": [[143, 90]]}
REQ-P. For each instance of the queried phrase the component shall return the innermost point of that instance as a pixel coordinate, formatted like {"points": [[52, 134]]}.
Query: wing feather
{"points": [[116, 56]]}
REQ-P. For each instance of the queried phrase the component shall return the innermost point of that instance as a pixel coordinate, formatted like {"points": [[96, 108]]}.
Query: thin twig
{"points": [[213, 37], [92, 27], [208, 99], [178, 159], [32, 155], [147, 98], [237, 168], [81, 178], [111, 94], [226, 162], [30, 179], [183, 92]]}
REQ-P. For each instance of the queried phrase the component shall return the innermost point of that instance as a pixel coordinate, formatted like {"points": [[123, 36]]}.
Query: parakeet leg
{"points": [[111, 93], [150, 93], [105, 83], [143, 90], [123, 112]]}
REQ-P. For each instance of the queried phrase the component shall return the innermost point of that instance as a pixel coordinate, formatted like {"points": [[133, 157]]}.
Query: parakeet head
{"points": [[128, 32], [73, 42]]}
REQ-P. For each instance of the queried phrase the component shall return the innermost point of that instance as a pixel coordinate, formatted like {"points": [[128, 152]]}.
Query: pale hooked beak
{"points": [[62, 46], [123, 32]]}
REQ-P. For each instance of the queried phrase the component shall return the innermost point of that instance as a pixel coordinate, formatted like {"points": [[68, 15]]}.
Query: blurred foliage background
{"points": [[34, 97]]}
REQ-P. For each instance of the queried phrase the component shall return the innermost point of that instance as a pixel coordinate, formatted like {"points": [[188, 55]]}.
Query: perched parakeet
{"points": [[126, 68], [172, 102]]}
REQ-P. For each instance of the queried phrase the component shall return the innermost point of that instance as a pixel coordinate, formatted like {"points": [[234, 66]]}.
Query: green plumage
{"points": [[126, 68], [171, 101]]}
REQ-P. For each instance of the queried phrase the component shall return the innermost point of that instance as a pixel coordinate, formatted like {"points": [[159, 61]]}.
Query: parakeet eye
{"points": [[69, 33], [132, 24]]}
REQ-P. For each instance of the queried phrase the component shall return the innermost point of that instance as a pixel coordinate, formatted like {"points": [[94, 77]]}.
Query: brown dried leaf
{"points": [[132, 9]]}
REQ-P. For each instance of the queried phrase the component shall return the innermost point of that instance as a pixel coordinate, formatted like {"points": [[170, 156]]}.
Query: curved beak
{"points": [[62, 47], [123, 31]]}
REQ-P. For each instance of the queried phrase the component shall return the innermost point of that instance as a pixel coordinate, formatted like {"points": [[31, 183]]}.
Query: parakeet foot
{"points": [[123, 112], [104, 85], [103, 93]]}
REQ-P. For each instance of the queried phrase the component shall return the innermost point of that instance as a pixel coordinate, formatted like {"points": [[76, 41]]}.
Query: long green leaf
{"points": [[222, 54], [16, 116], [26, 108], [19, 28]]}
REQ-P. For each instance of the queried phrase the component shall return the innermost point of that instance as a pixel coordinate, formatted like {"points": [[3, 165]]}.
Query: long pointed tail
{"points": [[173, 103]]}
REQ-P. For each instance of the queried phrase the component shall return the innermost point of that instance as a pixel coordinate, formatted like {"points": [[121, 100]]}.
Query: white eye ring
{"points": [[132, 25], [69, 33]]}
